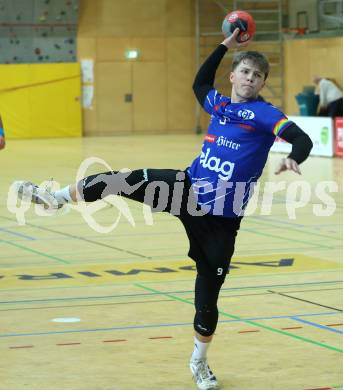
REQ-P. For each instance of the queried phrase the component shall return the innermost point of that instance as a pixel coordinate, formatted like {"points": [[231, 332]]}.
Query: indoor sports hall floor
{"points": [[125, 298]]}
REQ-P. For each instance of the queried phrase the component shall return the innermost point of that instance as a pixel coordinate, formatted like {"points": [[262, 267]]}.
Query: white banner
{"points": [[87, 96], [87, 70], [319, 129]]}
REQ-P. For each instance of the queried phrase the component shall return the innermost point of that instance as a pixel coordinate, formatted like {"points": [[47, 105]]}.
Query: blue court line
{"points": [[317, 325], [170, 292], [17, 234], [163, 325]]}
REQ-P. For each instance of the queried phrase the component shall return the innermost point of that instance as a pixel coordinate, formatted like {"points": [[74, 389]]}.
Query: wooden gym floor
{"points": [[125, 298]]}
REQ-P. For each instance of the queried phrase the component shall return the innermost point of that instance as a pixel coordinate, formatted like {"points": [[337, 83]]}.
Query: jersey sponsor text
{"points": [[223, 168]]}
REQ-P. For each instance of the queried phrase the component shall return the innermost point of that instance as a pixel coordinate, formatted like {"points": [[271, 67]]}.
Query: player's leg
{"points": [[205, 322], [152, 186], [211, 246]]}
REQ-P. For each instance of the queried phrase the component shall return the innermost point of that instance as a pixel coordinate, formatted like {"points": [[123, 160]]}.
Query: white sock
{"points": [[63, 196], [200, 349]]}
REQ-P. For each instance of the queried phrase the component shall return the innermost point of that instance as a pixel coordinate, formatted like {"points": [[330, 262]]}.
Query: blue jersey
{"points": [[234, 152]]}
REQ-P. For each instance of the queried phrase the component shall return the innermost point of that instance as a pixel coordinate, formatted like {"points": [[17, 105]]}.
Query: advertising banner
{"points": [[319, 129], [339, 137]]}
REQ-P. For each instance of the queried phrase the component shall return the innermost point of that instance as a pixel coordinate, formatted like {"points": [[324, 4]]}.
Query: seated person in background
{"points": [[2, 135], [330, 97]]}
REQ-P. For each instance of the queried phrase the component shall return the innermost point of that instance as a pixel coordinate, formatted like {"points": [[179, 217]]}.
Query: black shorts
{"points": [[211, 237]]}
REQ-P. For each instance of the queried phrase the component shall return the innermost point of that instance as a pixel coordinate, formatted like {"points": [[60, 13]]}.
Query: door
{"points": [[114, 106]]}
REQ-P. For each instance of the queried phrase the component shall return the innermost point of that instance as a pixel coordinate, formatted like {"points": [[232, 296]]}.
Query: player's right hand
{"points": [[287, 164], [231, 41]]}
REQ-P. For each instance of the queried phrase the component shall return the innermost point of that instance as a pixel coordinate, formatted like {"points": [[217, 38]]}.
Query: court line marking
{"points": [[282, 285], [17, 234], [35, 252], [317, 289], [275, 250], [86, 240], [285, 222], [130, 327], [239, 252], [97, 304], [95, 330], [282, 221], [92, 242], [299, 229], [314, 245], [78, 343], [318, 246], [284, 274], [66, 344], [317, 325], [139, 302], [249, 331], [304, 300], [292, 327], [117, 303], [282, 332], [128, 303], [288, 292], [320, 388], [170, 292]]}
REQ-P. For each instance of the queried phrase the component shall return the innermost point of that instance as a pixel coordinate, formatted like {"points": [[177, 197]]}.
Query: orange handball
{"points": [[242, 20]]}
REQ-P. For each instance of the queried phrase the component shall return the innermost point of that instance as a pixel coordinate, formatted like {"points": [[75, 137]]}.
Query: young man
{"points": [[240, 134], [2, 135]]}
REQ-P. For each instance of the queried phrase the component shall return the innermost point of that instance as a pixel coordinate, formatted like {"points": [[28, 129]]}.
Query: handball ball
{"points": [[241, 19]]}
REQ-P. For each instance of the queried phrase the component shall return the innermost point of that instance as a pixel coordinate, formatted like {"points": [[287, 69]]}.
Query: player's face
{"points": [[247, 81]]}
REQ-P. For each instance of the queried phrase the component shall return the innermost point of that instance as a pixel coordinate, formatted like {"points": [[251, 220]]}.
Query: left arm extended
{"points": [[301, 148]]}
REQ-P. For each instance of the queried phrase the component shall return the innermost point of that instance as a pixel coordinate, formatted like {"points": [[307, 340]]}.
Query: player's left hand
{"points": [[2, 142], [231, 41], [287, 164]]}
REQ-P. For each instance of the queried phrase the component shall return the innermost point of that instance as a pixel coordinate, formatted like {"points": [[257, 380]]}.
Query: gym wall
{"points": [[305, 58], [40, 100], [39, 76], [151, 94]]}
